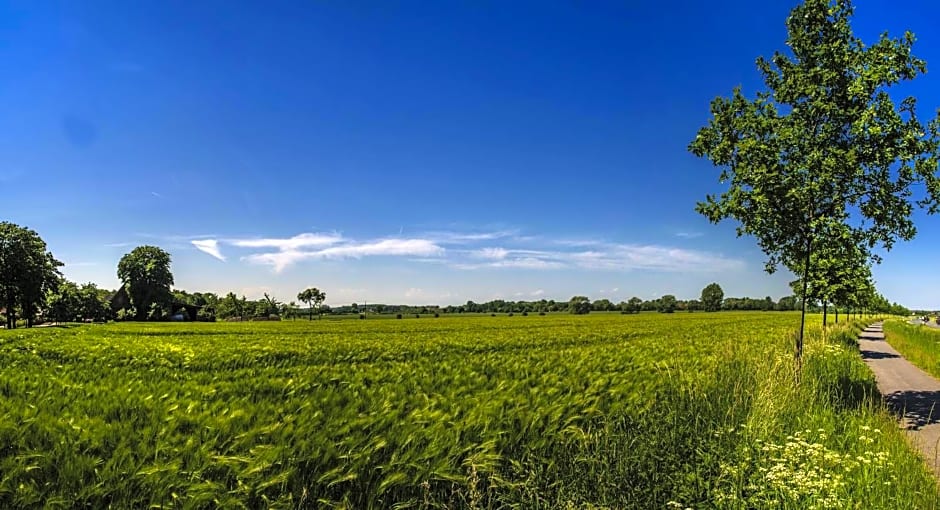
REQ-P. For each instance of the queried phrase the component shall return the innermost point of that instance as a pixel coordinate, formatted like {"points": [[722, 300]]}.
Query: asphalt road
{"points": [[912, 393]]}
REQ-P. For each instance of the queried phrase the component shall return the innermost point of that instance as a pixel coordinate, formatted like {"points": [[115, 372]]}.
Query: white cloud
{"points": [[652, 257], [514, 263], [414, 292], [385, 247], [468, 237], [278, 260], [210, 246], [491, 253], [305, 240], [534, 254], [689, 235], [413, 247], [537, 293]]}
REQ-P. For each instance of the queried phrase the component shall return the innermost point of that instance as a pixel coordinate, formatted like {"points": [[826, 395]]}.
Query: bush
{"points": [[362, 316], [436, 315], [542, 313], [510, 314], [398, 316], [525, 314], [417, 316], [492, 315]]}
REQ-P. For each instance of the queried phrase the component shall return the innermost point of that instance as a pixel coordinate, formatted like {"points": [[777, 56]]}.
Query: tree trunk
{"points": [[836, 308], [799, 341], [825, 311], [11, 312]]}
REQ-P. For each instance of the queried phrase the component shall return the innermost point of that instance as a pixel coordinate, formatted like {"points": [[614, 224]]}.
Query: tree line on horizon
{"points": [[32, 288]]}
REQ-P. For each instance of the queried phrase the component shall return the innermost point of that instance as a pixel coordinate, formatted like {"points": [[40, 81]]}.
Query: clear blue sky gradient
{"points": [[442, 151]]}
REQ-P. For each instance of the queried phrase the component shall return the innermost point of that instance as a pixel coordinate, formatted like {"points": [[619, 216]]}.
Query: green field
{"points": [[617, 411]]}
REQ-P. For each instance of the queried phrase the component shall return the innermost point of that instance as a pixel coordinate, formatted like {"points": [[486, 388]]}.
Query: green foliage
{"points": [[145, 272], [823, 157], [712, 296], [314, 298], [565, 412], [579, 305], [27, 272], [64, 303], [602, 305], [825, 140], [666, 304]]}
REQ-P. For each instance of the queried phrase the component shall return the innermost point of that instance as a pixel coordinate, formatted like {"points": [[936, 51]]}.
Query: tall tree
{"points": [[712, 296], [27, 272], [824, 147], [146, 274], [666, 304], [314, 298], [579, 305], [92, 305], [64, 303]]}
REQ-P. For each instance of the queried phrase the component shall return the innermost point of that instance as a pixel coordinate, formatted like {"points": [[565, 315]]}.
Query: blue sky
{"points": [[415, 152]]}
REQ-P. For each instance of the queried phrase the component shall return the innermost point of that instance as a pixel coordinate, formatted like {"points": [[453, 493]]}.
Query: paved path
{"points": [[911, 392]]}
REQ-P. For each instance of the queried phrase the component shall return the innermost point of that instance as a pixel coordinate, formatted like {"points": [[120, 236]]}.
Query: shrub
{"points": [[436, 315], [525, 314], [398, 316], [541, 313], [362, 316]]}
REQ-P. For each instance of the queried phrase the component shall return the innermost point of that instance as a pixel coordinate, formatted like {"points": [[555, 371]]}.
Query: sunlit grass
{"points": [[700, 410], [919, 344]]}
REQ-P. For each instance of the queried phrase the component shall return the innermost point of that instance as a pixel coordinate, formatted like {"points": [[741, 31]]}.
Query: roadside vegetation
{"points": [[918, 344]]}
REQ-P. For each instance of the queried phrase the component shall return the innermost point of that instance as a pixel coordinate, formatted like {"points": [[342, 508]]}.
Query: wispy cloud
{"points": [[210, 246], [154, 193], [604, 256], [689, 235], [473, 251], [384, 247], [291, 243], [468, 237], [491, 253]]}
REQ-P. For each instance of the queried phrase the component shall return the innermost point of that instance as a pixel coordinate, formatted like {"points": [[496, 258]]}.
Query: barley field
{"points": [[606, 411]]}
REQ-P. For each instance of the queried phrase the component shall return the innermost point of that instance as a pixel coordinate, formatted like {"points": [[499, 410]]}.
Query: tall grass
{"points": [[919, 344], [647, 411]]}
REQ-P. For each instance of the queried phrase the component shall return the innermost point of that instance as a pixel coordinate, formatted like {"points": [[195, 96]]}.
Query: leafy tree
{"points": [[787, 303], [27, 272], [712, 296], [602, 305], [270, 306], [146, 274], [64, 303], [92, 303], [824, 148], [634, 303], [666, 304], [579, 305], [314, 297]]}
